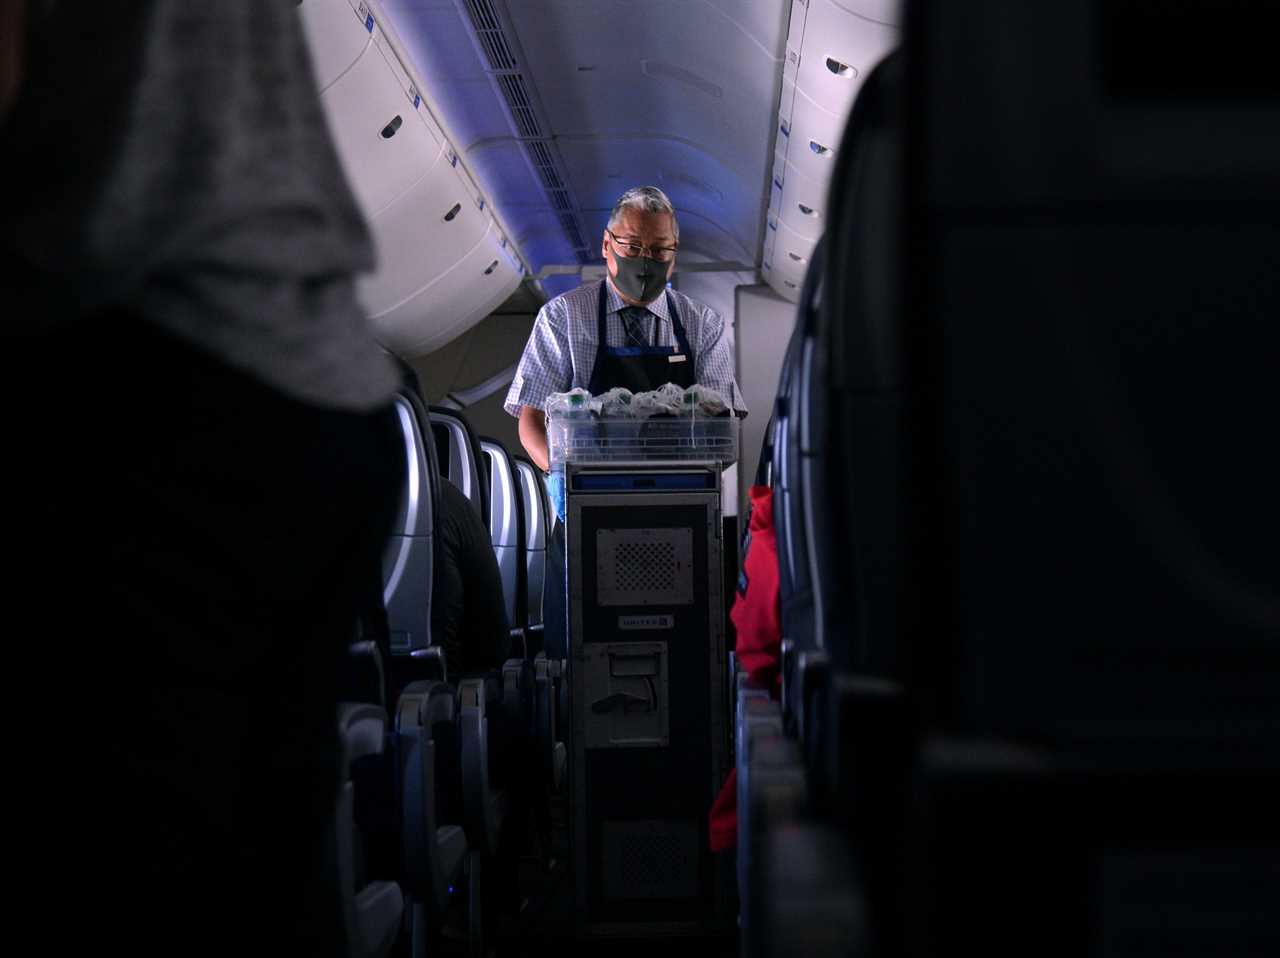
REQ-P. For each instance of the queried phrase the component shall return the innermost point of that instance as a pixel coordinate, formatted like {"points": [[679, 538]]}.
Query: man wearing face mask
{"points": [[628, 330]]}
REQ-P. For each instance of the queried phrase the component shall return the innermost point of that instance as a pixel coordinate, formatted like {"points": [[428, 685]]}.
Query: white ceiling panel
{"points": [[699, 186], [678, 93]]}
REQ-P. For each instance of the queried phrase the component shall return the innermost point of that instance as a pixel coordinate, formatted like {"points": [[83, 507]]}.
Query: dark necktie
{"points": [[634, 321]]}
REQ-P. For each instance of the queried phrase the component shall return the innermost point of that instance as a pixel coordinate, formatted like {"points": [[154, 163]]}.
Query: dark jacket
{"points": [[468, 614]]}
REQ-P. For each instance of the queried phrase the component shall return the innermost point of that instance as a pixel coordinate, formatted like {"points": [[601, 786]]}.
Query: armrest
{"points": [[787, 655], [362, 731], [484, 809], [520, 642], [869, 747], [371, 915], [552, 752], [365, 675], [429, 871], [748, 691], [813, 676], [428, 663], [378, 907], [517, 692], [535, 640]]}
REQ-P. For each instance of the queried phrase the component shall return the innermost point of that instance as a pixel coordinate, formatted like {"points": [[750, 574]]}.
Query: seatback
{"points": [[409, 561], [536, 529], [1091, 279], [507, 529], [858, 476], [1094, 286], [793, 570], [460, 458]]}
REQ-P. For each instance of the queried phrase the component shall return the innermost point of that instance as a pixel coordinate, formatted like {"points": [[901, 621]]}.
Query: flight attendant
{"points": [[628, 330]]}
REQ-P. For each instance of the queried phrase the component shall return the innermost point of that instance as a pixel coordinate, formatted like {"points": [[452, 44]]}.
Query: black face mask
{"points": [[640, 278]]}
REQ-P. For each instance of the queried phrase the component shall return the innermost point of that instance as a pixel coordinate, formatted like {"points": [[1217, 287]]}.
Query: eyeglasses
{"points": [[663, 254]]}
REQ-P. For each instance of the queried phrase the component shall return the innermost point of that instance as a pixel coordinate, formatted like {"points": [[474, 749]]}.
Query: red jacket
{"points": [[757, 615]]}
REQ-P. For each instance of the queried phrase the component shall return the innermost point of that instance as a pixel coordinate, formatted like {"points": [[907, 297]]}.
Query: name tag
{"points": [[676, 358]]}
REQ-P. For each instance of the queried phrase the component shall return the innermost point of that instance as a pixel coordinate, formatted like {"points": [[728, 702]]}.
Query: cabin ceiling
{"points": [[678, 93]]}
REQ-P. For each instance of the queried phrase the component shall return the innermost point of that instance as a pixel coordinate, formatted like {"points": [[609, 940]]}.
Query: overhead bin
{"points": [[802, 204], [831, 47], [786, 256], [840, 49], [385, 146], [814, 138], [337, 38], [451, 303], [420, 236], [791, 250], [443, 261], [787, 272]]}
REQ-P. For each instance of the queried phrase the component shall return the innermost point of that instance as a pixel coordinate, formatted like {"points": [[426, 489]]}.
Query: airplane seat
{"points": [[806, 551], [364, 674], [547, 672], [486, 806], [507, 530], [409, 561], [773, 792], [461, 459], [370, 909], [433, 841], [536, 529], [1093, 292], [793, 586], [439, 790], [859, 328]]}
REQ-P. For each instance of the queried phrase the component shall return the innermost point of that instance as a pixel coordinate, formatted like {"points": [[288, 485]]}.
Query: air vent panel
{"points": [[484, 19], [510, 85]]}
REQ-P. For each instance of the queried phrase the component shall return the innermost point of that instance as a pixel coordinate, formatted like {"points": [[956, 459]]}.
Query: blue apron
{"points": [[640, 368]]}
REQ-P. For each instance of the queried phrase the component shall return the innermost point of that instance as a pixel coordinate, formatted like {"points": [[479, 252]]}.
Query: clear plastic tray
{"points": [[614, 439]]}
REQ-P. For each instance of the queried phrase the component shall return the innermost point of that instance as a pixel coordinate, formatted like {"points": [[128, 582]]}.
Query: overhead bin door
{"points": [[385, 146], [452, 302], [815, 136], [421, 236], [790, 259], [840, 49], [803, 205], [336, 36]]}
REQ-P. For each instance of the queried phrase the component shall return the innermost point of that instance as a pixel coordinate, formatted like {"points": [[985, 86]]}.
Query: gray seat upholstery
{"points": [[536, 530], [548, 674], [507, 526], [460, 459], [434, 850], [409, 561], [1093, 293], [370, 911]]}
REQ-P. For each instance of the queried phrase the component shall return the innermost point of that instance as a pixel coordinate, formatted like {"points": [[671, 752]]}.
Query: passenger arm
{"points": [[533, 436]]}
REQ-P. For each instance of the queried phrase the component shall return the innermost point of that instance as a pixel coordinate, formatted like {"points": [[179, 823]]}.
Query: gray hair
{"points": [[648, 199]]}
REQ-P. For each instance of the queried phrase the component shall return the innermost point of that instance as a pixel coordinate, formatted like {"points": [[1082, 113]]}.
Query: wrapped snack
{"points": [[671, 396], [575, 404], [704, 401], [616, 403], [666, 400], [644, 405]]}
